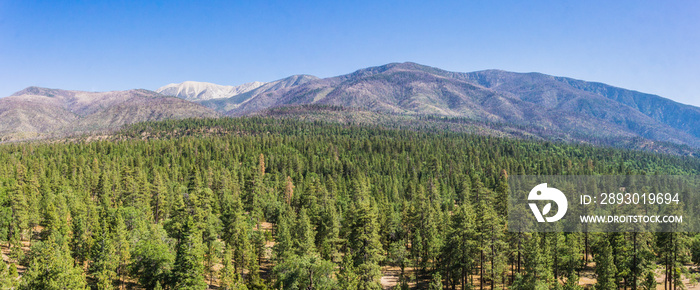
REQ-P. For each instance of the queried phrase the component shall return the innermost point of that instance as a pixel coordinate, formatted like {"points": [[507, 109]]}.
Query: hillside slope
{"points": [[201, 91], [556, 105], [40, 112]]}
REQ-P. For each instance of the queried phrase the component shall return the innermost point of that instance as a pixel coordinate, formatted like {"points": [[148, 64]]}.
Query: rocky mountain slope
{"points": [[201, 91], [548, 104], [494, 102], [40, 112], [259, 96]]}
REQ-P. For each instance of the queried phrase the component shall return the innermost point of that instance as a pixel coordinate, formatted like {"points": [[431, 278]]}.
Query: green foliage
{"points": [[8, 275], [338, 203], [188, 271], [152, 258], [436, 283], [228, 278], [572, 282], [305, 272], [51, 267], [605, 266]]}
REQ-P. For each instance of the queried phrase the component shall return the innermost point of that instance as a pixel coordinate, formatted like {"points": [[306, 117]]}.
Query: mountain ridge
{"points": [[35, 113], [202, 91], [550, 107], [554, 103]]}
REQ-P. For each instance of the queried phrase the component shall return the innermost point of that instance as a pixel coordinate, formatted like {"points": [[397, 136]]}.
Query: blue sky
{"points": [[649, 46]]}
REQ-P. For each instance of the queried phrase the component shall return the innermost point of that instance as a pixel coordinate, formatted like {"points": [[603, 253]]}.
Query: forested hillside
{"points": [[257, 203]]}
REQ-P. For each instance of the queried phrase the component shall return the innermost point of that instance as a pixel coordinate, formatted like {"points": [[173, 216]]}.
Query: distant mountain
{"points": [[201, 91], [494, 102], [261, 96], [40, 112], [551, 105]]}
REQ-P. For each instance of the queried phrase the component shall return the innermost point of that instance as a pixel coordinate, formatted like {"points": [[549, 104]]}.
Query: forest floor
{"points": [[390, 274]]}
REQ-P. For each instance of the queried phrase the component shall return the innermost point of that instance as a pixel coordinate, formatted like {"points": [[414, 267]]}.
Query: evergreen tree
{"points": [[572, 282], [152, 258], [229, 279], [605, 268], [363, 238], [328, 233], [305, 272], [159, 196], [51, 267], [461, 246], [436, 283], [19, 216], [104, 259], [122, 247], [188, 271], [284, 245], [538, 273], [360, 197], [424, 218], [304, 235]]}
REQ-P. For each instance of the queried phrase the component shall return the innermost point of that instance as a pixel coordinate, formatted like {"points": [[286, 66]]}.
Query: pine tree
{"points": [[188, 271], [605, 268], [229, 279], [425, 219], [649, 282], [284, 245], [289, 190], [19, 215], [261, 165], [436, 283], [51, 267], [5, 279], [159, 198], [538, 273], [122, 247], [304, 235], [328, 233], [152, 259], [305, 272], [461, 246], [572, 282], [103, 255], [363, 238]]}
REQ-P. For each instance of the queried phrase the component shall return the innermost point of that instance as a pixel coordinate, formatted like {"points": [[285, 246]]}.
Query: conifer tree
{"points": [[188, 271], [605, 268], [103, 255], [122, 247], [328, 233], [159, 197], [19, 214], [461, 246], [363, 238], [152, 258], [424, 219], [304, 235], [305, 272], [51, 266], [284, 245], [538, 274], [229, 279]]}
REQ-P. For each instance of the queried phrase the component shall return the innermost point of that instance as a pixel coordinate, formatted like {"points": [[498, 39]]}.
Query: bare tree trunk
{"points": [[634, 262], [481, 271]]}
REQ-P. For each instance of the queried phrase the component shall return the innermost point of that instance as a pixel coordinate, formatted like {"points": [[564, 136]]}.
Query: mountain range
{"points": [[35, 113], [494, 101], [201, 91]]}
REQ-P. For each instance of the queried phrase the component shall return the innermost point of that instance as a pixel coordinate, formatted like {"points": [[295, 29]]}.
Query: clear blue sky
{"points": [[649, 46]]}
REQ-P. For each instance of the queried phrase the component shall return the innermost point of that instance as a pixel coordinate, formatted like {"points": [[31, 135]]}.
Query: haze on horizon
{"points": [[648, 46]]}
